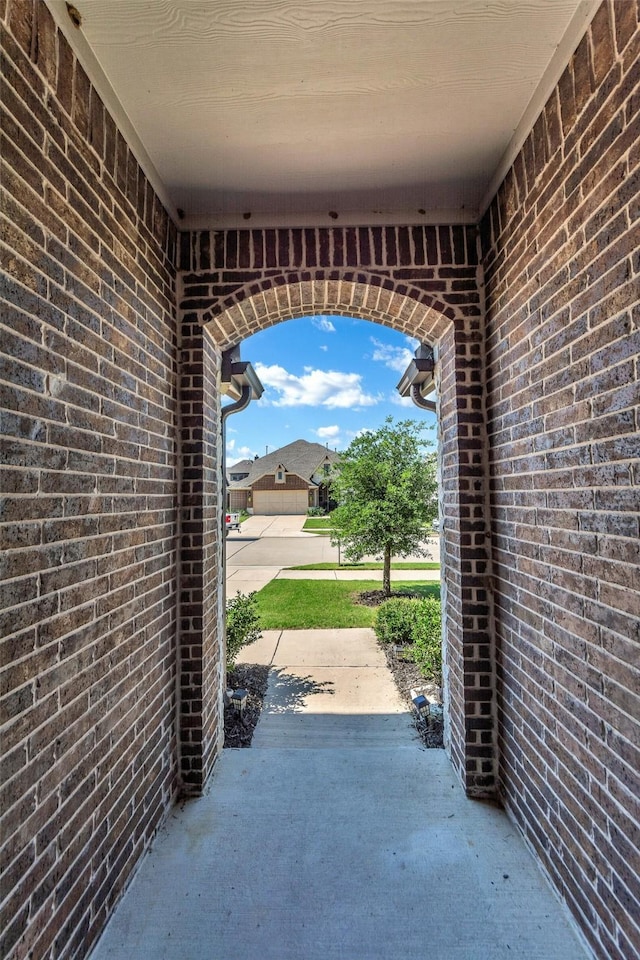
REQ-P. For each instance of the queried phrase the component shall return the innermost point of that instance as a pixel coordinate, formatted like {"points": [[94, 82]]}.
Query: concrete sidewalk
{"points": [[265, 546], [249, 578], [336, 837], [396, 575]]}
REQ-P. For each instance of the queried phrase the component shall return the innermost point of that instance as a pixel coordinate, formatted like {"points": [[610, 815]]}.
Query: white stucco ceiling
{"points": [[377, 110]]}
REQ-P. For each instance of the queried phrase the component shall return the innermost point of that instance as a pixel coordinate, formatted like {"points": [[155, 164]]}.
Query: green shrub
{"points": [[427, 640], [316, 512], [243, 624], [396, 620], [417, 623]]}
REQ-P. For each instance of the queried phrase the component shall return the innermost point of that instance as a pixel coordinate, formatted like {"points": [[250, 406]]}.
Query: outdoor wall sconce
{"points": [[239, 381], [421, 705], [418, 379], [239, 700]]}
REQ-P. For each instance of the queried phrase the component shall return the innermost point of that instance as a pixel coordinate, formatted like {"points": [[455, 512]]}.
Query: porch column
{"points": [[469, 655], [201, 615]]}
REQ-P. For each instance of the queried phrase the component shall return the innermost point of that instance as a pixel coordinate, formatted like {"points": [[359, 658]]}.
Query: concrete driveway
{"points": [[264, 546], [258, 552], [280, 526]]}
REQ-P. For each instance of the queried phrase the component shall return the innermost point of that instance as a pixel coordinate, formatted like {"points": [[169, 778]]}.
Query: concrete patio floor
{"points": [[337, 835]]}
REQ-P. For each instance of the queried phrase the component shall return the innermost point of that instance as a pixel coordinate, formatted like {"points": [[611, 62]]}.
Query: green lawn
{"points": [[423, 565], [318, 525], [308, 604], [322, 526]]}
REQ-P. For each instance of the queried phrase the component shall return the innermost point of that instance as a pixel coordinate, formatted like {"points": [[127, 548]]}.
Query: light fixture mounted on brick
{"points": [[418, 379]]}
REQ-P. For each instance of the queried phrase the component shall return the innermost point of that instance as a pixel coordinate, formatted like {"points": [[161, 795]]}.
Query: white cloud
{"points": [[239, 453], [324, 324], [324, 347], [327, 433], [395, 358], [315, 388]]}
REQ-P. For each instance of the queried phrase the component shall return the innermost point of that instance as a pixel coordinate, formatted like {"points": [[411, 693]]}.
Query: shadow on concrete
{"points": [[289, 692]]}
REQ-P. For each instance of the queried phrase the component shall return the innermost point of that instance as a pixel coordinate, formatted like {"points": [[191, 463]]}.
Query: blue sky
{"points": [[326, 379]]}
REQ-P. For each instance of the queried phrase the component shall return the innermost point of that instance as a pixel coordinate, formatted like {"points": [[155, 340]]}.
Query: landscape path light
{"points": [[421, 705], [239, 700]]}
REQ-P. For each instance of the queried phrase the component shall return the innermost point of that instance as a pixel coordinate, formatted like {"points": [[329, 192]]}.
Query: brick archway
{"points": [[283, 297], [235, 284]]}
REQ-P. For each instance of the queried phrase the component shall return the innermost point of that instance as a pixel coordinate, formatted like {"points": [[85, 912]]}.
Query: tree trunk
{"points": [[386, 572]]}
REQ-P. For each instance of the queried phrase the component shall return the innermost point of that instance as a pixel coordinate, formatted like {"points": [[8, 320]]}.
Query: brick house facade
{"points": [[112, 334], [288, 480]]}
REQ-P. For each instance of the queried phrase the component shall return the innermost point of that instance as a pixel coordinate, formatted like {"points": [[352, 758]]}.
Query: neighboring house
{"points": [[289, 480], [239, 470]]}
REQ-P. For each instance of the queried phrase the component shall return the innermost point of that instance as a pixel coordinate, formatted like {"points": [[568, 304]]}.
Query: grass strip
{"points": [[317, 525], [324, 604]]}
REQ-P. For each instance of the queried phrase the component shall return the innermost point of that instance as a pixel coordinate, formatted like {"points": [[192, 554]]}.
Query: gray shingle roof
{"points": [[299, 457], [242, 466]]}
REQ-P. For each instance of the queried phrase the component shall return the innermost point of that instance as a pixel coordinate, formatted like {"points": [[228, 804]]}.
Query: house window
{"points": [[279, 476], [327, 468]]}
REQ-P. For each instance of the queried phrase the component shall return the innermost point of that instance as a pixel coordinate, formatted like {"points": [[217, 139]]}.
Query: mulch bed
{"points": [[407, 677], [373, 598], [239, 727], [252, 677], [406, 674]]}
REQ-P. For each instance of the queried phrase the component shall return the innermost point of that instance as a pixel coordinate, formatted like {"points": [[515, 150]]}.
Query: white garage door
{"points": [[270, 503]]}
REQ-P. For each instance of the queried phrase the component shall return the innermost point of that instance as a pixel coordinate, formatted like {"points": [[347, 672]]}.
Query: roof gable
{"points": [[242, 466], [300, 457]]}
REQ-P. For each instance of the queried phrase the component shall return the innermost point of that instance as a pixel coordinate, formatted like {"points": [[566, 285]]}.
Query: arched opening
{"points": [[399, 305], [468, 671]]}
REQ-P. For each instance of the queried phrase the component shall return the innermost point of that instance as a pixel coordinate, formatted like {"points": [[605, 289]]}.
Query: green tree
{"points": [[386, 489]]}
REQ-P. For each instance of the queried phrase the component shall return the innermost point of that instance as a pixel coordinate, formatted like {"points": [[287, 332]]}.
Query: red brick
{"points": [[62, 371], [602, 42], [626, 23], [21, 23], [46, 45], [585, 422]]}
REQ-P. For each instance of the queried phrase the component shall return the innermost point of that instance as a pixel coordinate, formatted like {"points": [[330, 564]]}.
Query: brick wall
{"points": [[562, 258], [236, 279], [202, 663], [468, 648], [422, 281], [88, 480], [237, 500]]}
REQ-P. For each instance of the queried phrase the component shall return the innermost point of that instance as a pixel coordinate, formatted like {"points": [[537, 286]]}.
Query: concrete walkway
{"points": [[350, 574], [336, 837]]}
